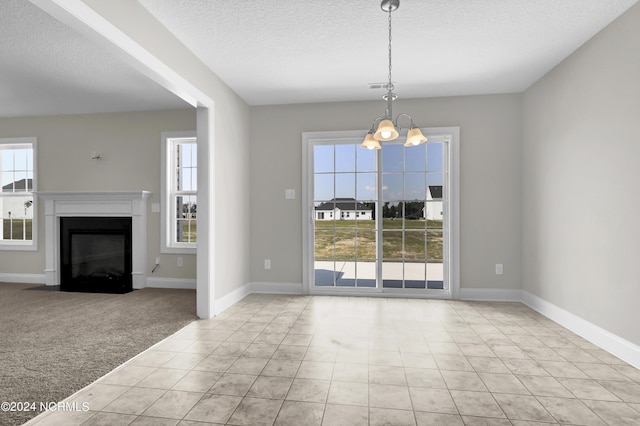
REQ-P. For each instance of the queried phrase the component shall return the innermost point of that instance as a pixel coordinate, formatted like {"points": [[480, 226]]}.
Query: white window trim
{"points": [[166, 217], [13, 245], [453, 249]]}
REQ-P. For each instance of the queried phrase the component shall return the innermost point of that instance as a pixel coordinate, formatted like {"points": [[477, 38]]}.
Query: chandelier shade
{"points": [[387, 130]]}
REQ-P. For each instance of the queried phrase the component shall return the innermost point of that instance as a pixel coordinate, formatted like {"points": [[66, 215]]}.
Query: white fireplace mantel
{"points": [[131, 204]]}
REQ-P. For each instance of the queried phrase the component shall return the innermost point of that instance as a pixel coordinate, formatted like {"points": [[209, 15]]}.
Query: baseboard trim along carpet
{"points": [[22, 278], [180, 283]]}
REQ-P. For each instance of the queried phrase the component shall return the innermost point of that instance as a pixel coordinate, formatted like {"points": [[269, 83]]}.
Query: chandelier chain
{"points": [[390, 86]]}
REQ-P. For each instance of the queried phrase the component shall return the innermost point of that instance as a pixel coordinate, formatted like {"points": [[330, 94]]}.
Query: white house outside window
{"points": [[17, 183], [180, 190]]}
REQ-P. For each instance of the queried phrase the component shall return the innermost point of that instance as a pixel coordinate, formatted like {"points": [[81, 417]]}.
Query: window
{"points": [[180, 192], [17, 179]]}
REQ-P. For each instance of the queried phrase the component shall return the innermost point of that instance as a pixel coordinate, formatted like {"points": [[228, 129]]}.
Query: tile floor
{"points": [[303, 360]]}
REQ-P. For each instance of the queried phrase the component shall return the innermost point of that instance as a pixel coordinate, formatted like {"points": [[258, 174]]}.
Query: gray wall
{"points": [[130, 144], [490, 199], [581, 180]]}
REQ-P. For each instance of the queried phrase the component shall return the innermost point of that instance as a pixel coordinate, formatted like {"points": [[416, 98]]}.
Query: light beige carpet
{"points": [[54, 343]]}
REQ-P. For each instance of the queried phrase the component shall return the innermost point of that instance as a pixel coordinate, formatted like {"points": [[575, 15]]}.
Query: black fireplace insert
{"points": [[95, 254]]}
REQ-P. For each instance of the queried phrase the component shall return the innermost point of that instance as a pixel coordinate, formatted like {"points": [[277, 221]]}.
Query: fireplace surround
{"points": [[107, 204]]}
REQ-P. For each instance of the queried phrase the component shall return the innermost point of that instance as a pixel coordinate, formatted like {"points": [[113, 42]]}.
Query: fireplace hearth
{"points": [[95, 254]]}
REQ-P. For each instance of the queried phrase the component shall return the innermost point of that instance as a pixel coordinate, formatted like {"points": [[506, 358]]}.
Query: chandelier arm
{"points": [[411, 126]]}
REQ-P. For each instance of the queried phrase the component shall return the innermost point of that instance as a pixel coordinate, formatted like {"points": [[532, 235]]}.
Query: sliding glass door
{"points": [[380, 220]]}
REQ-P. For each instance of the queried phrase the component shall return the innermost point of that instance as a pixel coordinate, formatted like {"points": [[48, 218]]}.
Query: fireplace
{"points": [[60, 206], [95, 254]]}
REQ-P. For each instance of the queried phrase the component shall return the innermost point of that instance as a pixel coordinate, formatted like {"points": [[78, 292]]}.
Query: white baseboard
{"points": [[276, 288], [22, 278], [621, 348], [230, 299], [491, 294], [185, 283]]}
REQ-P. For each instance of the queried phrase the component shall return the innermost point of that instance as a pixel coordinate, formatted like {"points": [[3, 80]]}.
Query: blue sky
{"points": [[351, 169]]}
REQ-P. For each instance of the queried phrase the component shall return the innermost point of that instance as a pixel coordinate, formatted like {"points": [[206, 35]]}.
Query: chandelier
{"points": [[387, 128]]}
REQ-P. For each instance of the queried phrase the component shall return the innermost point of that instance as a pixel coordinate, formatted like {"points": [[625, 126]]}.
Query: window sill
{"points": [[178, 250]]}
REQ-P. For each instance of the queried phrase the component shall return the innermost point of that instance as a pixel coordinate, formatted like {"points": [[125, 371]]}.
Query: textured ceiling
{"points": [[47, 68], [292, 51]]}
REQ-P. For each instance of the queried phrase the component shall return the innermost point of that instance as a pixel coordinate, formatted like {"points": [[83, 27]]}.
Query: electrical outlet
{"points": [[267, 264], [180, 262], [499, 269]]}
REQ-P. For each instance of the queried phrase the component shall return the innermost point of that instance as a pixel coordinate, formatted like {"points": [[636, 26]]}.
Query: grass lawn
{"points": [[189, 230], [13, 229], [347, 239]]}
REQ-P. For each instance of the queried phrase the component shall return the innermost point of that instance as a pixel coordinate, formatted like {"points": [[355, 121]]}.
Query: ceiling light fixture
{"points": [[387, 129]]}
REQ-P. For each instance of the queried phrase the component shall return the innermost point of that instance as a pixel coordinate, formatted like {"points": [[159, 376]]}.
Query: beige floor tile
{"points": [[563, 369], [348, 393], [387, 416], [386, 358], [204, 347], [488, 365], [173, 404], [571, 411], [234, 349], [315, 370], [545, 386], [385, 375], [629, 371], [109, 419], [352, 356], [248, 365], [447, 348], [297, 339], [615, 413], [154, 421], [426, 378], [309, 390], [432, 400], [174, 345], [542, 353], [463, 380], [184, 360], [626, 391], [320, 354], [281, 368], [526, 366], [153, 358], [98, 395], [522, 407], [233, 384], [256, 412], [214, 408], [64, 418], [351, 372], [485, 421], [345, 415], [295, 413], [452, 362], [476, 349], [576, 355], [601, 371], [162, 378], [128, 375], [479, 404], [437, 419], [418, 360], [270, 338], [290, 352], [413, 346], [215, 363], [389, 396], [134, 401], [503, 383], [588, 389], [270, 387], [197, 381]]}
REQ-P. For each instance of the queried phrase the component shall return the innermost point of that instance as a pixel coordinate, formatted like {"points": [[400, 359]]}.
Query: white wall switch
{"points": [[289, 194], [267, 264], [180, 262], [155, 207], [499, 269]]}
